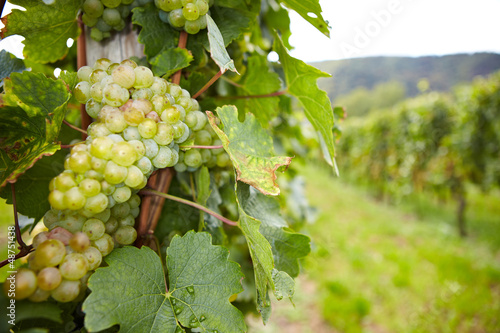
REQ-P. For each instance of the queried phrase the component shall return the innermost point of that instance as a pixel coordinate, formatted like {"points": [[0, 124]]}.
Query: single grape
{"points": [[72, 223], [49, 278], [190, 12], [143, 93], [111, 3], [122, 194], [203, 138], [145, 165], [114, 173], [93, 8], [115, 95], [131, 133], [101, 147], [84, 73], [97, 204], [143, 77], [164, 16], [74, 266], [177, 18], [93, 256], [74, 199], [50, 253], [129, 62], [104, 244], [79, 242], [147, 128], [133, 116], [134, 177], [67, 291], [111, 16], [97, 129], [125, 235], [123, 153], [82, 92], [107, 188], [111, 225], [139, 148], [23, 283], [164, 158], [159, 86], [111, 68], [79, 162], [202, 6], [90, 187], [120, 210], [124, 76], [115, 121], [164, 134], [39, 295], [223, 160], [192, 158], [64, 181], [102, 63]]}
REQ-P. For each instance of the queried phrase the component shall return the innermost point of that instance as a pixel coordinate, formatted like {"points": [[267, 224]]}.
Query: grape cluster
{"points": [[189, 15], [140, 122], [103, 16]]}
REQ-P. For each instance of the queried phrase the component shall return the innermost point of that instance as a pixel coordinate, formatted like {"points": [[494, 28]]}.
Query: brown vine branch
{"points": [[176, 78], [81, 60], [189, 203], [278, 93], [208, 84], [201, 147], [24, 252], [19, 238], [74, 127]]}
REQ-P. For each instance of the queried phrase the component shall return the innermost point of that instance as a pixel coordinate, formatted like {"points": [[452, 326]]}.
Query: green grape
{"points": [[159, 102], [115, 122], [93, 256], [104, 244], [115, 95], [107, 188], [144, 105], [102, 63], [39, 238], [203, 138], [127, 221], [100, 147], [79, 242], [181, 132], [223, 160], [138, 147], [98, 129], [39, 295], [93, 107], [164, 134], [64, 181], [111, 16], [133, 116], [24, 282], [94, 228], [72, 223], [84, 73], [111, 3], [92, 174], [202, 120], [114, 173], [153, 116], [131, 133], [124, 9], [74, 199], [165, 5], [129, 62], [97, 76], [123, 154], [202, 21], [103, 26], [180, 167], [98, 165], [190, 12], [74, 266], [134, 201], [67, 291], [111, 68], [120, 210], [50, 253], [175, 91], [90, 187], [192, 158], [122, 194], [159, 86], [135, 211], [206, 155], [82, 92], [191, 119], [143, 77], [124, 76], [49, 278], [192, 27], [104, 215], [111, 225], [202, 6], [164, 158], [145, 165], [164, 16], [143, 93], [217, 151], [147, 128], [171, 115], [96, 92], [96, 34], [79, 162], [176, 18], [116, 138], [125, 235], [97, 204], [93, 8], [134, 177]]}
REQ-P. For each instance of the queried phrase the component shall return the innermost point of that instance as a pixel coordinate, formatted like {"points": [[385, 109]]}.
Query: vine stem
{"points": [[74, 127], [24, 252], [189, 203], [208, 84], [176, 78], [201, 147], [81, 60], [278, 93]]}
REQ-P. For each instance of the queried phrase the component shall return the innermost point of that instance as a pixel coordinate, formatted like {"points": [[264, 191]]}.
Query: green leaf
{"points": [[28, 130], [310, 10], [131, 291], [260, 80], [70, 78], [287, 246], [250, 149], [170, 61], [46, 28], [217, 47], [30, 310], [262, 258], [9, 64], [155, 34], [301, 82]]}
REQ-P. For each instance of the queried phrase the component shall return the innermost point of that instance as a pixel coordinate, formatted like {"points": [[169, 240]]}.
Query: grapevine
{"points": [[161, 127]]}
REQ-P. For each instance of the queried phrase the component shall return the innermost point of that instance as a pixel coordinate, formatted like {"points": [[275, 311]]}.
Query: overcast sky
{"points": [[399, 27], [389, 27]]}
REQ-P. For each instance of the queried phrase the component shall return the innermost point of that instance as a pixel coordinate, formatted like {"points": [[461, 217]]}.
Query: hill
{"points": [[442, 72]]}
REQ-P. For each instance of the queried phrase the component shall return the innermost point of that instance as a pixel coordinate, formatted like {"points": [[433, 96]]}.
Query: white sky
{"points": [[418, 27], [414, 28]]}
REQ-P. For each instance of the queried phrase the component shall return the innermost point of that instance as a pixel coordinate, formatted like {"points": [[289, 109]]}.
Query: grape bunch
{"points": [[103, 16], [141, 121], [189, 15]]}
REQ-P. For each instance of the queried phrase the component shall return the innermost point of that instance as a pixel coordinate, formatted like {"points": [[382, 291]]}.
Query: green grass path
{"points": [[378, 268]]}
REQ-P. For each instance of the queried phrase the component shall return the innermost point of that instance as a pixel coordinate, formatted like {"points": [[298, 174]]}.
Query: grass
{"points": [[382, 268]]}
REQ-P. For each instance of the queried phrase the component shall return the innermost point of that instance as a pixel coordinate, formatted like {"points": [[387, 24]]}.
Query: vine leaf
{"points": [[218, 50], [9, 64], [155, 35], [170, 61], [30, 121], [46, 28], [301, 82], [131, 291], [287, 246], [310, 10], [259, 80], [262, 258], [250, 148]]}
